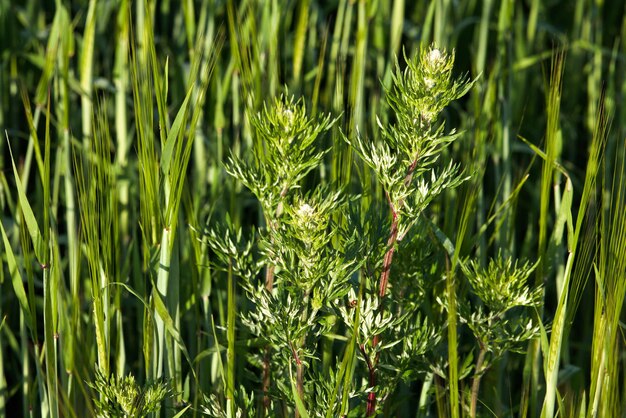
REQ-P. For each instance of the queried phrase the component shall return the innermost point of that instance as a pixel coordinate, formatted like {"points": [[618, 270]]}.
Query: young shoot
{"points": [[405, 161], [504, 322]]}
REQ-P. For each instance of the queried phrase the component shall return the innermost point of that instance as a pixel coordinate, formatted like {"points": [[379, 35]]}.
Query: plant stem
{"points": [[299, 383], [371, 397], [453, 365], [230, 382], [301, 342], [476, 380], [266, 380], [269, 285], [384, 281], [391, 242]]}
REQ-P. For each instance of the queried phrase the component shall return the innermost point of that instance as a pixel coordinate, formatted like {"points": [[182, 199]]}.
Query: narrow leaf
{"points": [[299, 405], [29, 216], [16, 279], [173, 134]]}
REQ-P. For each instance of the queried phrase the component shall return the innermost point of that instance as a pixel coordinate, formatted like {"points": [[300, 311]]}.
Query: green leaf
{"points": [[299, 405], [182, 411], [173, 134], [29, 216], [220, 364], [16, 280], [161, 310]]}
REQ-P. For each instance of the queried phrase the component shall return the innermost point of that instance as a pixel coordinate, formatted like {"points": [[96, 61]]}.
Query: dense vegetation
{"points": [[312, 208]]}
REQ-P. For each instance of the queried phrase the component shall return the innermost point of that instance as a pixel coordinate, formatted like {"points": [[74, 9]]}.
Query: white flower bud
{"points": [[287, 119], [434, 56], [306, 211]]}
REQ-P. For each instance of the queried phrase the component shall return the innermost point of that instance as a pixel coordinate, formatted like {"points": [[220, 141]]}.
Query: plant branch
{"points": [[371, 397], [269, 284], [476, 380], [299, 377], [383, 283]]}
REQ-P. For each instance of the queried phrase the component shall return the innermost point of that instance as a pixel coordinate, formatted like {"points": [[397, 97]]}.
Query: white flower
{"points": [[433, 64], [287, 119], [434, 56], [306, 211]]}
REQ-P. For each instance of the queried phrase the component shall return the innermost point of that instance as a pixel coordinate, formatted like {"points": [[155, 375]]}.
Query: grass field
{"points": [[312, 208]]}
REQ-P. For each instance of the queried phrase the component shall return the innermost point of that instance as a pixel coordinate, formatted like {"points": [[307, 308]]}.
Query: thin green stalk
{"points": [[610, 293], [300, 37], [559, 324], [531, 28], [453, 356], [553, 103], [396, 26], [230, 335], [162, 288], [120, 79], [505, 96], [86, 71], [357, 79], [3, 381], [483, 36], [441, 26], [174, 352], [27, 383], [424, 395]]}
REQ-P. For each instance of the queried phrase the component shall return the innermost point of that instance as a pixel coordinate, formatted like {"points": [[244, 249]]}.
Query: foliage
{"points": [[122, 397], [312, 208]]}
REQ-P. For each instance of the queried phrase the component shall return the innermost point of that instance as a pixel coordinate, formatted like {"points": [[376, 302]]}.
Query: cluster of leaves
{"points": [[404, 161], [393, 330], [123, 397], [503, 321], [284, 152], [245, 406]]}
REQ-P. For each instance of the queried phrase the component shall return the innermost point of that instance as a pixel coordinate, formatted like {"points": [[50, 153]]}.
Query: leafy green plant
{"points": [[123, 119], [404, 162], [305, 272], [499, 324], [311, 261], [123, 397]]}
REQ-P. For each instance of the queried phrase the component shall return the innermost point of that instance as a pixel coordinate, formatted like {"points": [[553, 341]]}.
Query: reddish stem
{"points": [[266, 379], [391, 248], [476, 380], [382, 289], [299, 377], [371, 397]]}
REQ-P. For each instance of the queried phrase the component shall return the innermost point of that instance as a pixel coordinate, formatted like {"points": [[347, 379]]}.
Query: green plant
{"points": [[123, 397], [404, 161], [311, 261], [113, 149], [500, 324], [305, 272]]}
